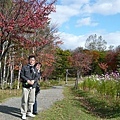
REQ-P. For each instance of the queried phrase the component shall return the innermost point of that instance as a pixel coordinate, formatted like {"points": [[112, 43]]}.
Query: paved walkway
{"points": [[10, 109]]}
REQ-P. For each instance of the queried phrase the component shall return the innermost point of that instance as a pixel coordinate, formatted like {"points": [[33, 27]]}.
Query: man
{"points": [[29, 78]]}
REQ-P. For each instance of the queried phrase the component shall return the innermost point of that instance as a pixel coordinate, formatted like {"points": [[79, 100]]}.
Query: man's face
{"points": [[32, 61]]}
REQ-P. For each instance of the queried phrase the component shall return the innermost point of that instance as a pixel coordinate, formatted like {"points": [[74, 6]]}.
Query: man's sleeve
{"points": [[22, 75]]}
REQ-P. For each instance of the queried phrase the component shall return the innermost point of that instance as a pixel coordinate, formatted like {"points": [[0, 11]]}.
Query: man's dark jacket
{"points": [[28, 72]]}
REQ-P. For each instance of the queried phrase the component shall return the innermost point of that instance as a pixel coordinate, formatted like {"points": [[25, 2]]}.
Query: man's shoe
{"points": [[30, 115], [35, 113], [23, 116]]}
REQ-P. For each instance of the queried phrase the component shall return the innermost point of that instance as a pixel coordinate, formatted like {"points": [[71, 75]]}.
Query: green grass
{"points": [[99, 107], [70, 108], [4, 94]]}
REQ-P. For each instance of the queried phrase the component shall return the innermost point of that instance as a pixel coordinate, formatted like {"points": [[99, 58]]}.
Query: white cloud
{"points": [[67, 9], [86, 21], [71, 2], [112, 38], [104, 7], [63, 14], [71, 41], [71, 8]]}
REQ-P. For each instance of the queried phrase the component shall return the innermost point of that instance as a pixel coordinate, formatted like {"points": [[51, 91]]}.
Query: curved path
{"points": [[10, 109]]}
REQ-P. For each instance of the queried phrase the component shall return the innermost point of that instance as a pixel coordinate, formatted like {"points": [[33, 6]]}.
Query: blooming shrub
{"points": [[105, 85]]}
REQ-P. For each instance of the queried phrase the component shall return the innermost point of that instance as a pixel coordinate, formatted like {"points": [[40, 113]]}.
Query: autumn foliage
{"points": [[21, 20], [82, 61], [103, 66]]}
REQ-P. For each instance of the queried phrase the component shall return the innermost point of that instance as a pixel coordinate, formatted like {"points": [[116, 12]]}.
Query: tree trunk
{"points": [[18, 84], [77, 79], [11, 70], [8, 73], [1, 74], [4, 72]]}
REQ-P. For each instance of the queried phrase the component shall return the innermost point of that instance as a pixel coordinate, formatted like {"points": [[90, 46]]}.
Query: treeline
{"points": [[83, 62], [57, 63]]}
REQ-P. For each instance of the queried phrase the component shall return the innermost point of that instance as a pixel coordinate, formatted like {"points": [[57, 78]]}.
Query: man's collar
{"points": [[30, 65]]}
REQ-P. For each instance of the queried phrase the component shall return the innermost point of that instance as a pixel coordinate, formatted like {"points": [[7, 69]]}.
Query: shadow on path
{"points": [[10, 110]]}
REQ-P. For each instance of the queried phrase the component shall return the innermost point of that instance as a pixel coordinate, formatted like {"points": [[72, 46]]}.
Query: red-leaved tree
{"points": [[19, 22], [81, 62], [22, 19]]}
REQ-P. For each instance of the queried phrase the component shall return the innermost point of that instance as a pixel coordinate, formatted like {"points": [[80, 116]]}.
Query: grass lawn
{"points": [[68, 109], [4, 94]]}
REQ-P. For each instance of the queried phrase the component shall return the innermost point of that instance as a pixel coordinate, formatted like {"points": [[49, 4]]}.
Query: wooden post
{"points": [[66, 76]]}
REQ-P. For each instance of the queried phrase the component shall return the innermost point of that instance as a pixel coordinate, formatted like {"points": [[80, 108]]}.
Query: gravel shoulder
{"points": [[10, 109]]}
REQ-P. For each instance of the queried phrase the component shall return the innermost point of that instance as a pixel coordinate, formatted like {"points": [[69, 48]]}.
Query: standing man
{"points": [[29, 76]]}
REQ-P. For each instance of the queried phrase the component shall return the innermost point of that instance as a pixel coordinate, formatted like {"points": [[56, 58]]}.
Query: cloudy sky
{"points": [[78, 19]]}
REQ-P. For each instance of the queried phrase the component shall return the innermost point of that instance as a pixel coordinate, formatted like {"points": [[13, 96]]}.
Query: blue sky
{"points": [[78, 19]]}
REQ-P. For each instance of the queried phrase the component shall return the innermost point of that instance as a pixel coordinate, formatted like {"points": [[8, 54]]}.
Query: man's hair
{"points": [[31, 56]]}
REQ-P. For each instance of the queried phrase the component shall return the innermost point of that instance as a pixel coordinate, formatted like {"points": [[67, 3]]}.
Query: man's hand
{"points": [[31, 82]]}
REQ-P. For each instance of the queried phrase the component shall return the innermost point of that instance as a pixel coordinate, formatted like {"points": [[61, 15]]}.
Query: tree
{"points": [[117, 48], [103, 66], [20, 20], [81, 62], [117, 62], [5, 4], [47, 58], [95, 43], [46, 52], [111, 60], [61, 62], [79, 49]]}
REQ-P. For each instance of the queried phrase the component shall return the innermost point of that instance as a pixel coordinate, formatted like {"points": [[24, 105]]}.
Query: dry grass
{"points": [[4, 94]]}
